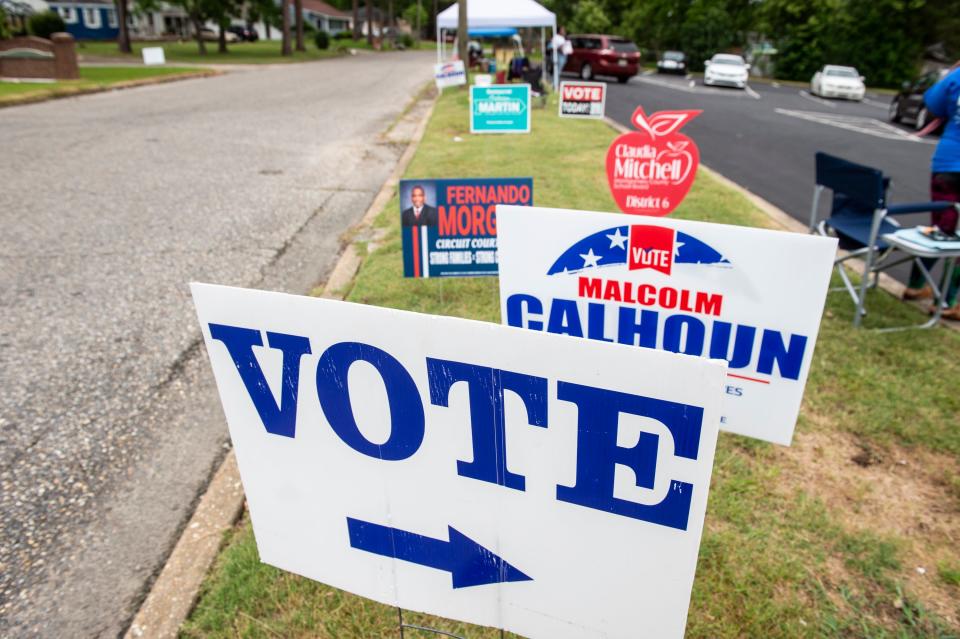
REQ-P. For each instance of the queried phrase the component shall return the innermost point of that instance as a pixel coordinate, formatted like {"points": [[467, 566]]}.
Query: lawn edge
{"points": [[173, 595], [126, 84]]}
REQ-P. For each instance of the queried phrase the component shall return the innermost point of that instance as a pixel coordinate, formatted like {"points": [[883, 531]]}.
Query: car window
{"points": [[673, 55], [623, 46], [576, 43], [591, 43], [728, 59], [841, 72]]}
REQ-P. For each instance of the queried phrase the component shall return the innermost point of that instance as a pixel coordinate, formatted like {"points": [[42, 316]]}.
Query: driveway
{"points": [[110, 426], [765, 138]]}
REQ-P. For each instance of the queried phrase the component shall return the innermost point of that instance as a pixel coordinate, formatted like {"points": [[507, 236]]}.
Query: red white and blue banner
{"points": [[750, 296], [449, 227]]}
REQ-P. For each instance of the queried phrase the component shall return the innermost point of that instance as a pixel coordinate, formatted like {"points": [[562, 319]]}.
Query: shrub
{"points": [[322, 39], [406, 40], [4, 27], [45, 24], [343, 35]]}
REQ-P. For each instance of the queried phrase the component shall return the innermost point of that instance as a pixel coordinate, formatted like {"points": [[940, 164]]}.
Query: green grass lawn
{"points": [[854, 531], [90, 78], [261, 52]]}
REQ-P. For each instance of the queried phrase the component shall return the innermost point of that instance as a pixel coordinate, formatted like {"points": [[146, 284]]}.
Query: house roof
{"points": [[321, 7]]}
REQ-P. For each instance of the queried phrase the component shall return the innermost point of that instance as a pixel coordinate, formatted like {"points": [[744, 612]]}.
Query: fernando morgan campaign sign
{"points": [[750, 296], [548, 486], [449, 227]]}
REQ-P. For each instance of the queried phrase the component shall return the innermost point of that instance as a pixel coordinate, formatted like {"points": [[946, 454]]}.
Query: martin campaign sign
{"points": [[548, 486], [749, 296], [449, 74], [500, 108], [582, 99], [651, 170], [449, 227]]}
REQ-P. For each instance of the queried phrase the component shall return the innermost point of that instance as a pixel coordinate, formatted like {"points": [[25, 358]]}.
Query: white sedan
{"points": [[838, 82], [726, 69]]}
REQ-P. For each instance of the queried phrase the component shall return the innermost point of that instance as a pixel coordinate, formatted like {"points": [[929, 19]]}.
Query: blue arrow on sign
{"points": [[469, 563]]}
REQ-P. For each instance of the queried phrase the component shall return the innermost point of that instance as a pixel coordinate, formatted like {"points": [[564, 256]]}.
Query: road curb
{"points": [[780, 218], [174, 593]]}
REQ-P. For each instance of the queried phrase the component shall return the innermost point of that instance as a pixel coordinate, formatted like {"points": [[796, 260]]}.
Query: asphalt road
{"points": [[765, 138], [111, 204]]}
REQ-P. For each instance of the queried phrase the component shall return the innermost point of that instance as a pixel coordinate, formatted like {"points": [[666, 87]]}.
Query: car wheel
{"points": [[922, 118], [586, 72], [893, 113], [623, 79]]}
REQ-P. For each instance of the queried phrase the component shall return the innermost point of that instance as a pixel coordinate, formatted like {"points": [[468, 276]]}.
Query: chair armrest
{"points": [[919, 207]]}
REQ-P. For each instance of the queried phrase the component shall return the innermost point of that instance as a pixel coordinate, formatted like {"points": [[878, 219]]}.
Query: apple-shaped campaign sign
{"points": [[650, 170]]}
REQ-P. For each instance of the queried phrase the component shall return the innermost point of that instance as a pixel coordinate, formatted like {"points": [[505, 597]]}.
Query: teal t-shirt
{"points": [[943, 101]]}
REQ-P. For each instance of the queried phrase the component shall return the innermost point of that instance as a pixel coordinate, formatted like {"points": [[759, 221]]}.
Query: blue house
{"points": [[88, 19]]}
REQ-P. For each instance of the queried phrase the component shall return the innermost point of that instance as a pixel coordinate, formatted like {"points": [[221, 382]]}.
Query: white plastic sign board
{"points": [[580, 99], [483, 79], [551, 487], [750, 296], [153, 56], [449, 74]]}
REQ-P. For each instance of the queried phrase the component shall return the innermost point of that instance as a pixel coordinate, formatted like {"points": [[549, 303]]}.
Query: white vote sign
{"points": [[750, 296], [449, 74], [551, 487]]}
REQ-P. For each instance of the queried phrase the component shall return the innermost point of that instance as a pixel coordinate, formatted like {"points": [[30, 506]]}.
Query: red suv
{"points": [[603, 55]]}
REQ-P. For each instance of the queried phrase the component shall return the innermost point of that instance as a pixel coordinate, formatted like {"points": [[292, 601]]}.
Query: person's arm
{"points": [[937, 98]]}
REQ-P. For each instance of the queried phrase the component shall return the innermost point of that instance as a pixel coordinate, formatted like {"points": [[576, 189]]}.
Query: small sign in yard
{"points": [[500, 108], [582, 99], [651, 170], [750, 296], [449, 227], [548, 486], [153, 55], [449, 74]]}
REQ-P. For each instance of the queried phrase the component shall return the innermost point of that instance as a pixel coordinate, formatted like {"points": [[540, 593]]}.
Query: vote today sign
{"points": [[449, 74], [582, 99], [449, 227], [500, 108], [544, 485], [651, 170], [750, 296]]}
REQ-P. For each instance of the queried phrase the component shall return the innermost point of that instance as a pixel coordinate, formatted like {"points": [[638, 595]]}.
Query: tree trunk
{"points": [[356, 20], [298, 19], [196, 32], [222, 40], [463, 38], [370, 23], [285, 21], [266, 27], [123, 37]]}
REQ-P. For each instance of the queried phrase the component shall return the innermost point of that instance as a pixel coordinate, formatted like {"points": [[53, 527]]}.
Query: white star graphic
{"points": [[590, 259], [618, 240], [676, 249]]}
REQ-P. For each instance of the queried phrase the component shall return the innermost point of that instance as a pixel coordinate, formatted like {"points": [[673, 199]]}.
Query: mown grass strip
{"points": [[91, 78], [785, 554]]}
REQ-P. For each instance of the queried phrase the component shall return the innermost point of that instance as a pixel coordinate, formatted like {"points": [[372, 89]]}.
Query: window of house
{"points": [[91, 18], [69, 14], [112, 18]]}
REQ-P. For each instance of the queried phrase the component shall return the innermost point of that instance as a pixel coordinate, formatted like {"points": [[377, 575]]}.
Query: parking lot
{"points": [[765, 137]]}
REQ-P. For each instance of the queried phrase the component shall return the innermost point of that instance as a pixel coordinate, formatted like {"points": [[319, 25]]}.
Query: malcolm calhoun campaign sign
{"points": [[548, 486], [449, 227], [750, 296]]}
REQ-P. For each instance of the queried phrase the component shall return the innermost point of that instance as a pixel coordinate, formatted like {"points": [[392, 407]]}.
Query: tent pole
{"points": [[543, 55], [439, 54], [556, 71]]}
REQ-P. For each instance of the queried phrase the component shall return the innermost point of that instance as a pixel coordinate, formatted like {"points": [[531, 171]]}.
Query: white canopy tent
{"points": [[500, 14]]}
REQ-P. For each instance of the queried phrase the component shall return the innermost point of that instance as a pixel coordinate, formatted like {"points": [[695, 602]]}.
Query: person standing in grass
{"points": [[943, 102]]}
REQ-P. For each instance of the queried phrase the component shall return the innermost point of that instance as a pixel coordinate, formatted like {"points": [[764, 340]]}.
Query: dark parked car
{"points": [[595, 55], [246, 34], [672, 62], [908, 104]]}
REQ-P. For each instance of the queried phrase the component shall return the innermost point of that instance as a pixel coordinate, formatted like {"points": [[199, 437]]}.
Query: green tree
{"points": [[416, 16], [4, 26], [45, 24], [589, 17]]}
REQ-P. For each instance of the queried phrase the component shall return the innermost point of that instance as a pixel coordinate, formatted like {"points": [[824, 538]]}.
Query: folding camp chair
{"points": [[860, 217]]}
